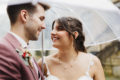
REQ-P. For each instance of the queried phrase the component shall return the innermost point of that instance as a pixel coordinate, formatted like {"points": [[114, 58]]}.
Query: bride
{"points": [[71, 62]]}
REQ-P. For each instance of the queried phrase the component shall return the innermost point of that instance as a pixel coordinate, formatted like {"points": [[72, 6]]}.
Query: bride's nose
{"points": [[53, 32]]}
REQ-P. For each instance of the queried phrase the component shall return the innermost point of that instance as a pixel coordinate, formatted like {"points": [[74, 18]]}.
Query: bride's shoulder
{"points": [[95, 60]]}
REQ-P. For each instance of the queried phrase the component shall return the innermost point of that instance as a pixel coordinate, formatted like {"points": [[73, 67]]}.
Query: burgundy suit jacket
{"points": [[12, 67]]}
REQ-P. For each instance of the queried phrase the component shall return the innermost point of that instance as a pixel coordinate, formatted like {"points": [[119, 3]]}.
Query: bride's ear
{"points": [[76, 34]]}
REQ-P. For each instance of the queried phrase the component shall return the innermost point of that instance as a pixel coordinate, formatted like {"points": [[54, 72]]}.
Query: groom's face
{"points": [[35, 23]]}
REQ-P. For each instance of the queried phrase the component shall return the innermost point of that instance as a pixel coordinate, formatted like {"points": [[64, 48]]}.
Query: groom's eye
{"points": [[42, 18]]}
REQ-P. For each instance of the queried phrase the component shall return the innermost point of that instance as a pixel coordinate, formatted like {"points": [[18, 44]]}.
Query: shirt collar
{"points": [[22, 42]]}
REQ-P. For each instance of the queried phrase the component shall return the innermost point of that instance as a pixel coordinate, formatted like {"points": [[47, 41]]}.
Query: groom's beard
{"points": [[32, 34]]}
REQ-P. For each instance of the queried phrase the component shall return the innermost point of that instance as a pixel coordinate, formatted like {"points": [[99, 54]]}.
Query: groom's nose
{"points": [[43, 26]]}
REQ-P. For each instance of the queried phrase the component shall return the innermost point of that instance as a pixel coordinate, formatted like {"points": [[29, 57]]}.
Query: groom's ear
{"points": [[24, 15]]}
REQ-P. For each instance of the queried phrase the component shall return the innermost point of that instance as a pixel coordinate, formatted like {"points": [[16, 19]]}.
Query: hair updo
{"points": [[71, 25]]}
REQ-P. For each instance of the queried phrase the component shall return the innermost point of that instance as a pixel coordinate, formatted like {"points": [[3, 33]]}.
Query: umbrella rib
{"points": [[118, 38], [83, 23], [106, 23]]}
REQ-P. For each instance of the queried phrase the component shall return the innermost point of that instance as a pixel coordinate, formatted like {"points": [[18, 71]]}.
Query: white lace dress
{"points": [[85, 77]]}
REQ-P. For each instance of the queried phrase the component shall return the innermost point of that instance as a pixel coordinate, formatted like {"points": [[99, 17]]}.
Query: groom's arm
{"points": [[8, 69]]}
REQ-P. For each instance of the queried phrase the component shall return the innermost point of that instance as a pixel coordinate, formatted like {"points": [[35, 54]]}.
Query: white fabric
{"points": [[85, 77], [22, 42]]}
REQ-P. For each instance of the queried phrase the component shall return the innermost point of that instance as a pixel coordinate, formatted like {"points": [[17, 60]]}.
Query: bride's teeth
{"points": [[55, 38]]}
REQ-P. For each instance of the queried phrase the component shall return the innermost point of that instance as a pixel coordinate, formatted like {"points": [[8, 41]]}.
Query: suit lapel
{"points": [[39, 70], [12, 40], [16, 45], [33, 73]]}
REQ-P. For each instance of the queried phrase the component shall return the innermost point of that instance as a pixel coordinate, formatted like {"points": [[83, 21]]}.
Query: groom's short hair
{"points": [[13, 10]]}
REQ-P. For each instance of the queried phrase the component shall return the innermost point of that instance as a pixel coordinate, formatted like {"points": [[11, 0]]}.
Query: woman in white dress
{"points": [[71, 62]]}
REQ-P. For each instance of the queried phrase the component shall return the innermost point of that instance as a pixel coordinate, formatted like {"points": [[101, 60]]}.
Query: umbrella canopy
{"points": [[100, 20]]}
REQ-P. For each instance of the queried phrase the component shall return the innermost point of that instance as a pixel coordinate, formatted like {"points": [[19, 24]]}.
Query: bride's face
{"points": [[60, 37]]}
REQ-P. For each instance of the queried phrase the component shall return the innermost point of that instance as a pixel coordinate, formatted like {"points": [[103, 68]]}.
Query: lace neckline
{"points": [[84, 77], [52, 77]]}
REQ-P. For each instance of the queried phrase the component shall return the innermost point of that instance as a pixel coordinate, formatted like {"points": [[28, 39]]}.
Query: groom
{"points": [[27, 21]]}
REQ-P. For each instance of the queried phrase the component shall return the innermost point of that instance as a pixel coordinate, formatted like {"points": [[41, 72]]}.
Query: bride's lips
{"points": [[54, 38]]}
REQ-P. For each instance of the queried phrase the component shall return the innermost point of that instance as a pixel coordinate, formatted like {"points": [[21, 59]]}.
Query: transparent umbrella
{"points": [[100, 20]]}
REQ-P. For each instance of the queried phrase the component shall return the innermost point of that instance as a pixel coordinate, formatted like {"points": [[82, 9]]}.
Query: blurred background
{"points": [[108, 53]]}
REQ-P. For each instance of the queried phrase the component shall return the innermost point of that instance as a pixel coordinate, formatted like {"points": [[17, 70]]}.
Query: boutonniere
{"points": [[25, 56]]}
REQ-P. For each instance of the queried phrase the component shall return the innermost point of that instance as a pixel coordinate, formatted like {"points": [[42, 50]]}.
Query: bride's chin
{"points": [[55, 46]]}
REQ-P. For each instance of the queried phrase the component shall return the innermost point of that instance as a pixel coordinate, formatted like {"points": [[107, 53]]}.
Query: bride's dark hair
{"points": [[71, 25]]}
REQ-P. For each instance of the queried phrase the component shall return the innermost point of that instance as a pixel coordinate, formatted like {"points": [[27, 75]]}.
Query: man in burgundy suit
{"points": [[27, 21]]}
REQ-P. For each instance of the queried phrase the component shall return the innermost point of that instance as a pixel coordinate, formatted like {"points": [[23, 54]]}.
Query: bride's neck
{"points": [[66, 55]]}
